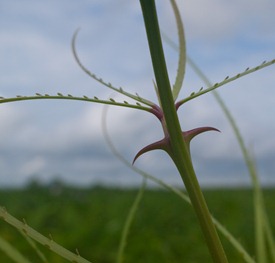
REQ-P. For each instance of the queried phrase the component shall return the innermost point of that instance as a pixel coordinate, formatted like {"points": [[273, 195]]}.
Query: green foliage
{"points": [[164, 229]]}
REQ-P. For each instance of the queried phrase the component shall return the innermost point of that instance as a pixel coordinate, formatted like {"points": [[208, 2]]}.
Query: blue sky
{"points": [[63, 139]]}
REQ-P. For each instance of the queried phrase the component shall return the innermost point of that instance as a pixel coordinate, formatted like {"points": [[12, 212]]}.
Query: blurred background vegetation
{"points": [[91, 220]]}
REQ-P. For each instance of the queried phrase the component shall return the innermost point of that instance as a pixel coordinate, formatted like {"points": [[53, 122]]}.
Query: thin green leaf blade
{"points": [[182, 52]]}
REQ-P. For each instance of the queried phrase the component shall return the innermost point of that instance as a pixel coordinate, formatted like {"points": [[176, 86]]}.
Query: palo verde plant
{"points": [[175, 143]]}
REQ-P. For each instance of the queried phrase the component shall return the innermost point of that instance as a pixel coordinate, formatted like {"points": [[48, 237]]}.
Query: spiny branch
{"points": [[225, 81], [39, 96], [47, 242]]}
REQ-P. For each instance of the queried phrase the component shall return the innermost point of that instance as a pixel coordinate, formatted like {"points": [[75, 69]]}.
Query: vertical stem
{"points": [[179, 150]]}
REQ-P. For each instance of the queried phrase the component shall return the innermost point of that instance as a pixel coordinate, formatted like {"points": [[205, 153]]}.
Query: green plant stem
{"points": [[179, 151], [234, 242]]}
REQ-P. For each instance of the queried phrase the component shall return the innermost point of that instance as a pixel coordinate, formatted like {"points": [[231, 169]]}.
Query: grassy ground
{"points": [[91, 220]]}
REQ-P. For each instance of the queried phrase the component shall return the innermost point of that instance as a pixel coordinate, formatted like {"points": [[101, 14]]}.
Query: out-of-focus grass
{"points": [[91, 220]]}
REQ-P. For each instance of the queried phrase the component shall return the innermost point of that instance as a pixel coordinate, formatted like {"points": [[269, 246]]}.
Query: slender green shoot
{"points": [[35, 247], [182, 52], [12, 252], [47, 242], [129, 221]]}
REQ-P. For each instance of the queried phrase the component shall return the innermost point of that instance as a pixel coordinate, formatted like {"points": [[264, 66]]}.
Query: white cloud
{"points": [[33, 166], [222, 19]]}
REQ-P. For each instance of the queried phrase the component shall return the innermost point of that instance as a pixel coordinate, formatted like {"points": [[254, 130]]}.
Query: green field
{"points": [[91, 220]]}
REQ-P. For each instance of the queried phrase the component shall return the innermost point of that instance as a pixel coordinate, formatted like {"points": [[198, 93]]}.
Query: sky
{"points": [[47, 140]]}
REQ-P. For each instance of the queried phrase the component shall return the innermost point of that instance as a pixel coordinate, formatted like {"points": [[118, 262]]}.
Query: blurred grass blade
{"points": [[12, 252], [182, 52], [270, 239], [129, 221], [35, 248]]}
